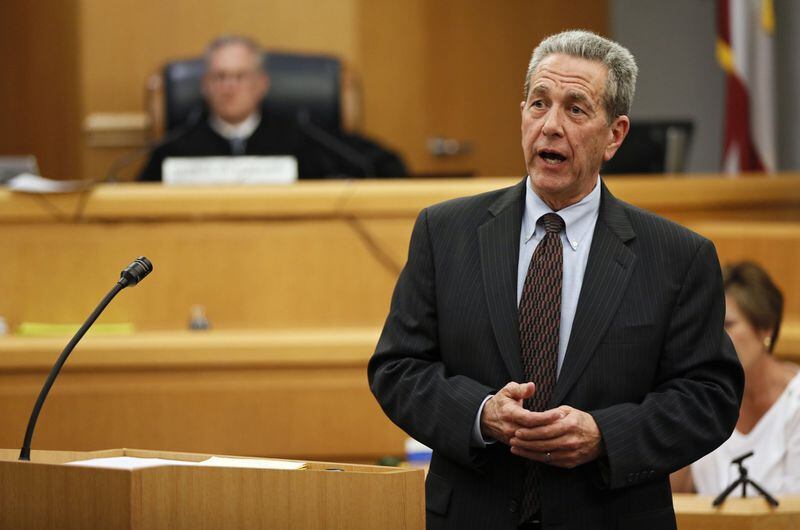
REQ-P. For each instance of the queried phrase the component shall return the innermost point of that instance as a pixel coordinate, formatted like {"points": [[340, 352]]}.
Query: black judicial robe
{"points": [[277, 136]]}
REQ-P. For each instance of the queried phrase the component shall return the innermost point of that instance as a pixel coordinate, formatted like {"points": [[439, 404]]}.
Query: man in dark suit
{"points": [[560, 351], [234, 85]]}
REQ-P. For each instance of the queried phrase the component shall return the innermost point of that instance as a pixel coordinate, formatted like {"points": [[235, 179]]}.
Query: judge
{"points": [[234, 85]]}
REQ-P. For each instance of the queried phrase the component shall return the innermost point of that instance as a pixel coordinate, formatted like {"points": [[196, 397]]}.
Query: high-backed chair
{"points": [[652, 147], [317, 84]]}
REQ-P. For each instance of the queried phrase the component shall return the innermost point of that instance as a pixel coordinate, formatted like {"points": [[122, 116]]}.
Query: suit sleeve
{"points": [[694, 405], [407, 373]]}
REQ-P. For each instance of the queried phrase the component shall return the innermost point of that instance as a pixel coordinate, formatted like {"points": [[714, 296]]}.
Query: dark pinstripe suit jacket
{"points": [[647, 357]]}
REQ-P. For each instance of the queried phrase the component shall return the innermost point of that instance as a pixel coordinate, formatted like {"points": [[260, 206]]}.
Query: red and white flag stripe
{"points": [[745, 50]]}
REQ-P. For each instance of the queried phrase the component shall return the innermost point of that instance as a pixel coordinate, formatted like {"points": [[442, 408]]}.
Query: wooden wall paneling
{"points": [[475, 62], [124, 43], [392, 44], [454, 69], [40, 99]]}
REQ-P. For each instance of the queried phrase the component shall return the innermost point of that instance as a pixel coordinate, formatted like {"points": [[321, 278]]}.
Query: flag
{"points": [[745, 51]]}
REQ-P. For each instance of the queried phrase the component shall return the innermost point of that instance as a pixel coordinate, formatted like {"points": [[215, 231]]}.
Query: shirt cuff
{"points": [[477, 438]]}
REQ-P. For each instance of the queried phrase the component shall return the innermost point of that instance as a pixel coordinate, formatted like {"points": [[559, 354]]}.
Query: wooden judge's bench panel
{"points": [[295, 281], [292, 394]]}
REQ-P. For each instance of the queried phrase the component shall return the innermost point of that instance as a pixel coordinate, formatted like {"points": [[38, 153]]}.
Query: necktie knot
{"points": [[238, 146], [552, 222]]}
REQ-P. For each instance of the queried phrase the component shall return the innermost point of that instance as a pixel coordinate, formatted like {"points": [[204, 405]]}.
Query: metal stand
{"points": [[743, 480]]}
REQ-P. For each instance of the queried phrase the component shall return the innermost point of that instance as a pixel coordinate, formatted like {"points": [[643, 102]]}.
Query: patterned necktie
{"points": [[539, 319], [238, 146]]}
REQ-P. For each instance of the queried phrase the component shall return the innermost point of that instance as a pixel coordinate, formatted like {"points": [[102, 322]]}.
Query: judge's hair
{"points": [[229, 39]]}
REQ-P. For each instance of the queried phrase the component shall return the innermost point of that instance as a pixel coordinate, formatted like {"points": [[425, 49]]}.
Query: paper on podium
{"points": [[131, 463], [29, 183], [258, 463], [128, 462]]}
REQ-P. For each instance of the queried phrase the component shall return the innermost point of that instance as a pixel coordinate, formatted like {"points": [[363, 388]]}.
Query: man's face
{"points": [[565, 131], [234, 83]]}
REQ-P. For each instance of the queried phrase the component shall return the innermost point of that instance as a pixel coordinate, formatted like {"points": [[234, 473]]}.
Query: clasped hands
{"points": [[564, 437]]}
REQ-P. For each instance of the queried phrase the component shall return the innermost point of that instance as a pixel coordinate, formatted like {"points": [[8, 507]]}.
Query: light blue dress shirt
{"points": [[576, 240], [579, 220]]}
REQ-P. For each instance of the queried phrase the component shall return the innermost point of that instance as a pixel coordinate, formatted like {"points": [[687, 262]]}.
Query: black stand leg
{"points": [[744, 480]]}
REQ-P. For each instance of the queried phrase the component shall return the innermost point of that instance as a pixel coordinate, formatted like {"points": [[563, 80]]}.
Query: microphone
{"points": [[130, 276], [135, 272], [332, 143]]}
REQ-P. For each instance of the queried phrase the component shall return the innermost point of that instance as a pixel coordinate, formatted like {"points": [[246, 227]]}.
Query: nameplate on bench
{"points": [[227, 170]]}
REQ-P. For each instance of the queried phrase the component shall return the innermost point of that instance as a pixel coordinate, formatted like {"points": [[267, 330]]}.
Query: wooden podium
{"points": [[694, 512], [45, 494]]}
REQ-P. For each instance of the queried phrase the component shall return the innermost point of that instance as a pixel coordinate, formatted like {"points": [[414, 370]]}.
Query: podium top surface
{"points": [[63, 457]]}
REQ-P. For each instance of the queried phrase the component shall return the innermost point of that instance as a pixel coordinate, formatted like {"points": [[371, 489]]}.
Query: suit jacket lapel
{"points": [[499, 248], [608, 270]]}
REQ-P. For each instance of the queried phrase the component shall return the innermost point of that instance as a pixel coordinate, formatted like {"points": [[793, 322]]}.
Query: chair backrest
{"points": [[653, 147], [297, 82]]}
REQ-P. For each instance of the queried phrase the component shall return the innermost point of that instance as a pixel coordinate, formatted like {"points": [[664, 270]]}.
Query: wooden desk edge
{"points": [[341, 347], [690, 504], [342, 198]]}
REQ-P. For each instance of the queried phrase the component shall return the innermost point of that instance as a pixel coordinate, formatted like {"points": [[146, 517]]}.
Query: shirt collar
{"points": [[230, 131], [578, 218]]}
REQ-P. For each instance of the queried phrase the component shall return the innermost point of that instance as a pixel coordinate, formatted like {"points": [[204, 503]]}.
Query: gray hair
{"points": [[619, 62], [241, 40]]}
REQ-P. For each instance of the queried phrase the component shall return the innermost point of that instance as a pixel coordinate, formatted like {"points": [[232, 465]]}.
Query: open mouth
{"points": [[551, 157]]}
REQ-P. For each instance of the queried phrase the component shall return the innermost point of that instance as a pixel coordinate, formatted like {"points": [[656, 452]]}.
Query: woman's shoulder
{"points": [[790, 373], [791, 394]]}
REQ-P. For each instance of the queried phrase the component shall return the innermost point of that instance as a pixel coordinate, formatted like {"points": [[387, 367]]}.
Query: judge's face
{"points": [[566, 135], [748, 341], [234, 83]]}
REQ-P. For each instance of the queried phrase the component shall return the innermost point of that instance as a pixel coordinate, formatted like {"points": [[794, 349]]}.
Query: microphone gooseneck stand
{"points": [[744, 480], [129, 277]]}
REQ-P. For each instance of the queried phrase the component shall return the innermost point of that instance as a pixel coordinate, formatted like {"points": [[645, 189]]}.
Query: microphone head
{"points": [[135, 272]]}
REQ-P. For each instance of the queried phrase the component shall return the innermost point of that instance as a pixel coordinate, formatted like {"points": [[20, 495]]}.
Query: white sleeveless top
{"points": [[775, 441]]}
